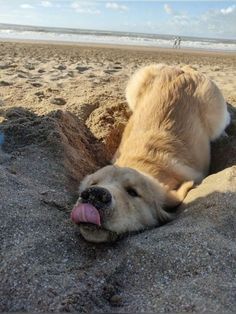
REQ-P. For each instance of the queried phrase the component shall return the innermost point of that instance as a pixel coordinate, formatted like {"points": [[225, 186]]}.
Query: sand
{"points": [[62, 113]]}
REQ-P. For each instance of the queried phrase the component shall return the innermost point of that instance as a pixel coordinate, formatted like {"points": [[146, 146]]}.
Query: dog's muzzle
{"points": [[97, 196], [93, 206]]}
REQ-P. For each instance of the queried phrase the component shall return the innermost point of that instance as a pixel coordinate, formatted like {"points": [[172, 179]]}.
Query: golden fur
{"points": [[164, 150]]}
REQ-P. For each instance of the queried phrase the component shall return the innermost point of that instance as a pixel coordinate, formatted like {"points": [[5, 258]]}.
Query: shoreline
{"points": [[119, 46]]}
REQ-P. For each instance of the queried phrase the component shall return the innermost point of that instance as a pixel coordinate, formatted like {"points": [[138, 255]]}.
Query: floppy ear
{"points": [[159, 203], [162, 215]]}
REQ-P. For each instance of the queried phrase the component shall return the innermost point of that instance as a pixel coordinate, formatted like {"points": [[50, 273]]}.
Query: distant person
{"points": [[178, 42], [175, 43]]}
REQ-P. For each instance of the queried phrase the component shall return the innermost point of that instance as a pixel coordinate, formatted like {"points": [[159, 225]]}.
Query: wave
{"points": [[108, 37]]}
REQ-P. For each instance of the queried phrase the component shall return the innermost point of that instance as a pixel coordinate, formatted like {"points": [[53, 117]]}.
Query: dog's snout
{"points": [[96, 194]]}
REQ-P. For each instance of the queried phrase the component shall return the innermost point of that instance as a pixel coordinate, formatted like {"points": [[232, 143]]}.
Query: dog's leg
{"points": [[176, 197], [213, 109], [125, 135]]}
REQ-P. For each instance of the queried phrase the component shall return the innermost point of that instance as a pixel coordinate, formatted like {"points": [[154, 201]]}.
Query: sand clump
{"points": [[187, 265]]}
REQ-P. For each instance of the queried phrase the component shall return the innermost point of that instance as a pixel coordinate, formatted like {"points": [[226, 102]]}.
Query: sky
{"points": [[215, 19]]}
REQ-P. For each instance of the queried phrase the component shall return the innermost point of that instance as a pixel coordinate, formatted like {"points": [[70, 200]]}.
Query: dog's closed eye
{"points": [[132, 192]]}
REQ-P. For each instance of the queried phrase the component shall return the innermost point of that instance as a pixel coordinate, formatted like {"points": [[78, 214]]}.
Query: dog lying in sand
{"points": [[164, 151]]}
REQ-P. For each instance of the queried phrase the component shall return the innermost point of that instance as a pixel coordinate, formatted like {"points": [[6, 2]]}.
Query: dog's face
{"points": [[117, 200]]}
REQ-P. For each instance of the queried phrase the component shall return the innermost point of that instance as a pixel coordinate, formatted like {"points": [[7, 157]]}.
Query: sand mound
{"points": [[186, 265]]}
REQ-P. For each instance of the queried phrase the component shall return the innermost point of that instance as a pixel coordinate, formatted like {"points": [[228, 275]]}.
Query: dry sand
{"points": [[62, 111]]}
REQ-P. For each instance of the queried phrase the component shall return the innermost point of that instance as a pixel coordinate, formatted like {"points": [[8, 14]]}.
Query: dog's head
{"points": [[116, 200]]}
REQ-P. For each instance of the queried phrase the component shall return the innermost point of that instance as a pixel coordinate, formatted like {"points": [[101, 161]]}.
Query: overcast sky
{"points": [[193, 18]]}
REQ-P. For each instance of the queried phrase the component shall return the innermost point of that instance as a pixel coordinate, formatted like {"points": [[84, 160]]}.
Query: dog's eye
{"points": [[132, 192]]}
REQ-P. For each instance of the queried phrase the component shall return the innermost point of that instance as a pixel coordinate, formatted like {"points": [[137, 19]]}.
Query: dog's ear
{"points": [[163, 216]]}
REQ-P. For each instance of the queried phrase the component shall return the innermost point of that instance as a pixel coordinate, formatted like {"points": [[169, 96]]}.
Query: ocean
{"points": [[8, 31]]}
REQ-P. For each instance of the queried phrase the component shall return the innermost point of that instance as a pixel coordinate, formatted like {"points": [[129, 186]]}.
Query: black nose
{"points": [[96, 196]]}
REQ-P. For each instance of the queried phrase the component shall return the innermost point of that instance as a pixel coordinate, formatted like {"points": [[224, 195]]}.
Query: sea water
{"points": [[8, 31]]}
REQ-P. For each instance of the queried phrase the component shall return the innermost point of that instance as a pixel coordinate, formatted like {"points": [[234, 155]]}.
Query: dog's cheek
{"points": [[118, 220]]}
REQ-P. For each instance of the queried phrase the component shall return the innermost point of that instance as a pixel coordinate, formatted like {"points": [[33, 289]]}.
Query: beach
{"points": [[32, 74], [62, 114]]}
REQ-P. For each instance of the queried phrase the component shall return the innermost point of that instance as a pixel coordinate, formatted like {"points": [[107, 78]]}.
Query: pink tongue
{"points": [[85, 213]]}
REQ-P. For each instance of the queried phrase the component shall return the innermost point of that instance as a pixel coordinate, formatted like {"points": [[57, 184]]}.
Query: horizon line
{"points": [[115, 31]]}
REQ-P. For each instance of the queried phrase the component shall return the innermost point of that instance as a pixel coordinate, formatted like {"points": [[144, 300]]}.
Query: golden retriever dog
{"points": [[164, 151]]}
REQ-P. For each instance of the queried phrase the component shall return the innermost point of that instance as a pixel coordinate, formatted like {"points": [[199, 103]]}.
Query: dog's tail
{"points": [[139, 83]]}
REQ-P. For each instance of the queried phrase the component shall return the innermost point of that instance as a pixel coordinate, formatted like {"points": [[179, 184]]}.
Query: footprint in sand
{"points": [[41, 71], [40, 95], [23, 72], [29, 66], [22, 76], [113, 68], [82, 69], [57, 77], [110, 71], [5, 83], [61, 67], [4, 66], [71, 74], [59, 101], [36, 84]]}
